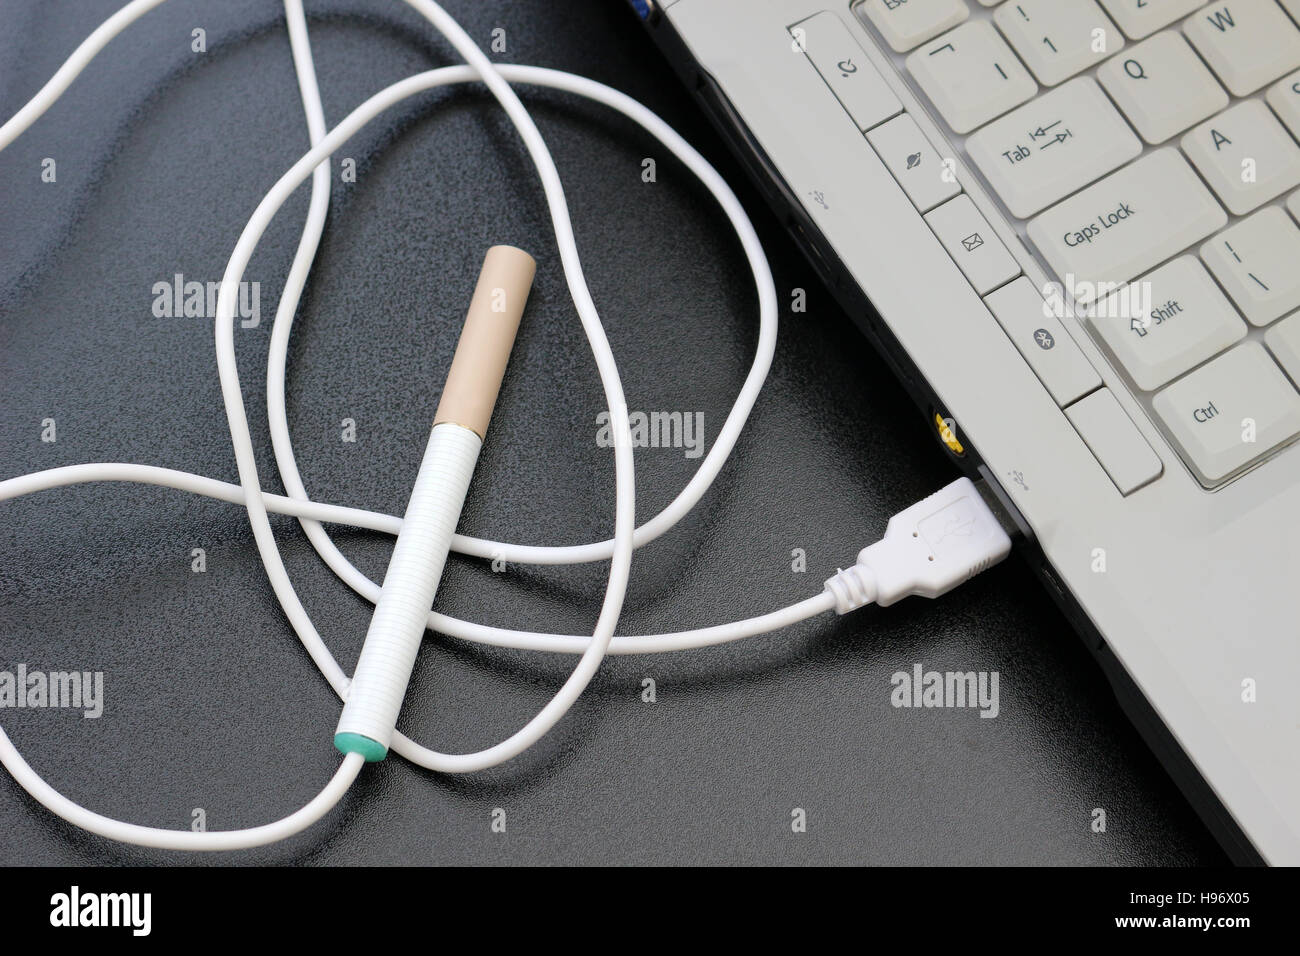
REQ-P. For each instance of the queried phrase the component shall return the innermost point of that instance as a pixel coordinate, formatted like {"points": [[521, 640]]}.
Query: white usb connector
{"points": [[928, 549]]}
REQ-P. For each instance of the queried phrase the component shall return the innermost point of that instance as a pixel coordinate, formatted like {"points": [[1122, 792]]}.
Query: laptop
{"points": [[1072, 228]]}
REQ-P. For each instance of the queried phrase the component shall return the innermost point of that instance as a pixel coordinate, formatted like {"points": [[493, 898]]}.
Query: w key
{"points": [[1248, 43]]}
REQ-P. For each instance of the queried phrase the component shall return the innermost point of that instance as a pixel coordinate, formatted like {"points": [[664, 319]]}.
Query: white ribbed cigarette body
{"points": [[384, 668], [397, 628]]}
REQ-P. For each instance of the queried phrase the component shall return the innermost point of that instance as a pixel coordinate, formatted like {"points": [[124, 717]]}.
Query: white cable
{"points": [[712, 462], [700, 482], [164, 839], [318, 511], [846, 590], [243, 445], [73, 66], [618, 549], [277, 361], [12, 760]]}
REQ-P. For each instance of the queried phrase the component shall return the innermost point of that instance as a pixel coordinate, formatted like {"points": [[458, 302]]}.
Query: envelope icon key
{"points": [[972, 242]]}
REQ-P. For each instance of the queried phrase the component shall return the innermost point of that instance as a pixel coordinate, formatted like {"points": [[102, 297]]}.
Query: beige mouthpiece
{"points": [[484, 347]]}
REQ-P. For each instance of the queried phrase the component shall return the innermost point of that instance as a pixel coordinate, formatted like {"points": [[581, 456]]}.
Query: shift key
{"points": [[1118, 228]]}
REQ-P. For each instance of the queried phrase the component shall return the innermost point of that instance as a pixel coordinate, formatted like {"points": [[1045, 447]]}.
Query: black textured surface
{"points": [[161, 155]]}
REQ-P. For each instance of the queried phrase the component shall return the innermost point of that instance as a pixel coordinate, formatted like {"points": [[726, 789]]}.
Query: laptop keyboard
{"points": [[1147, 150]]}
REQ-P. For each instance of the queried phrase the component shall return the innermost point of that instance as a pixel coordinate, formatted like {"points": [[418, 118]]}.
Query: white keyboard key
{"points": [[1167, 322], [970, 241], [1119, 228], [1021, 311], [1283, 340], [1230, 412], [1115, 440], [1248, 43], [971, 75], [1053, 146], [1058, 39], [908, 23], [1284, 97], [1246, 155], [1141, 18], [858, 85], [1258, 261], [1162, 86], [915, 163]]}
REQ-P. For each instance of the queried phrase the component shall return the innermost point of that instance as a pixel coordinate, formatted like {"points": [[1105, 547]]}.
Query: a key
{"points": [[1258, 261], [970, 241], [1115, 440], [924, 175], [1230, 412], [1120, 227], [1162, 86], [1245, 155], [858, 85], [1248, 43], [1024, 315], [908, 23], [1167, 322], [1284, 97], [1141, 18], [1283, 340], [1050, 147], [971, 75], [1057, 39]]}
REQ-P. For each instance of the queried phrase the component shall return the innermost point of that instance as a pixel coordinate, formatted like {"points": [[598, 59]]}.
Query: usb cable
{"points": [[927, 550]]}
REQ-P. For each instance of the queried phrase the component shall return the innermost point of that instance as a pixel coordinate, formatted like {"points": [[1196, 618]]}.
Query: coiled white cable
{"points": [[618, 550], [699, 484], [908, 561]]}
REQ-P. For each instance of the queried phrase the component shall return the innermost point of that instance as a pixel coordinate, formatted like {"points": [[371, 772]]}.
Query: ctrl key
{"points": [[1230, 412]]}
